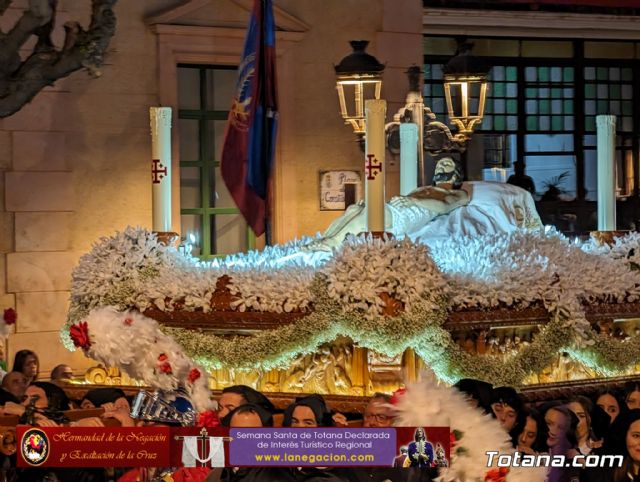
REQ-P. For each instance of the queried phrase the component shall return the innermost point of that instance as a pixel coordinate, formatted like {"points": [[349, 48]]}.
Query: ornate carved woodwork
{"points": [[344, 369], [223, 319]]}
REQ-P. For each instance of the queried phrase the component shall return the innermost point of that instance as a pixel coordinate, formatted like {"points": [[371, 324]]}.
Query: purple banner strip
{"points": [[312, 447]]}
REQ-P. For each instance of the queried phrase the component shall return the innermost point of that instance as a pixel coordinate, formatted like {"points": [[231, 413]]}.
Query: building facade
{"points": [[75, 162]]}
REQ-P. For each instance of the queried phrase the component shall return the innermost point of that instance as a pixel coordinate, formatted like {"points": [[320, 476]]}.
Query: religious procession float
{"points": [[517, 307], [466, 282], [460, 279]]}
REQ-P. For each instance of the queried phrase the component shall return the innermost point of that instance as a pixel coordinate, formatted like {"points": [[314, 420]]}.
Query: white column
{"points": [[408, 157], [375, 112], [606, 172], [415, 102], [161, 167]]}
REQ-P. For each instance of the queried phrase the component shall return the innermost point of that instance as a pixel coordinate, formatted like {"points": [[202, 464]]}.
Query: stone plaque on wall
{"points": [[332, 189]]}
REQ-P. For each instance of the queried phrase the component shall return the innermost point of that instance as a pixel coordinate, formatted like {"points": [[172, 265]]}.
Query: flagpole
{"points": [[266, 147]]}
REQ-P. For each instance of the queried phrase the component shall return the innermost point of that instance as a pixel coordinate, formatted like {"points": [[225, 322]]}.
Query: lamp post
{"points": [[465, 86], [359, 78]]}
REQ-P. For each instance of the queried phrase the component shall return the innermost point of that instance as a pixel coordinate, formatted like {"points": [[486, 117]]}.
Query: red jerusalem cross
{"points": [[156, 173], [370, 167]]}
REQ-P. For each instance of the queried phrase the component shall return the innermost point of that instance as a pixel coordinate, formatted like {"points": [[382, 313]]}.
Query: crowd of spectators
{"points": [[605, 424]]}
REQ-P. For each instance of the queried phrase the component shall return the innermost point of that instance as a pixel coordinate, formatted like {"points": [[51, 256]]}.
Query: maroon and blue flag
{"points": [[250, 135]]}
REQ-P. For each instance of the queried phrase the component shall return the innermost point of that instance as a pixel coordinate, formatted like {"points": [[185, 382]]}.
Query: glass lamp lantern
{"points": [[465, 88], [358, 78]]}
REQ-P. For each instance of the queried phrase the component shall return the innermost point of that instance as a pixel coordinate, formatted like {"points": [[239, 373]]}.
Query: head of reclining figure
{"points": [[448, 172]]}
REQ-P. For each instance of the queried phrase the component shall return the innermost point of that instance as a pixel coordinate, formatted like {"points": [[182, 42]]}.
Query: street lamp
{"points": [[465, 88], [465, 85], [359, 78]]}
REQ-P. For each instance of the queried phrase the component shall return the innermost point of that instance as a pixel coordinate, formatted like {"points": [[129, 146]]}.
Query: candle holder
{"points": [[378, 234], [607, 237], [168, 238]]}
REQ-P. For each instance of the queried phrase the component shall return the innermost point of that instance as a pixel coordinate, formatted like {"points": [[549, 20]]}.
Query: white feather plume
{"points": [[428, 404], [134, 343]]}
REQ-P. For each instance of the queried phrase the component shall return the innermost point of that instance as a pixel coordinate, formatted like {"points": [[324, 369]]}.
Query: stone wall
{"points": [[74, 168], [74, 162], [320, 140]]}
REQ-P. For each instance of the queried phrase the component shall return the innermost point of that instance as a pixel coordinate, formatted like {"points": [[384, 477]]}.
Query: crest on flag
{"points": [[250, 136], [240, 109]]}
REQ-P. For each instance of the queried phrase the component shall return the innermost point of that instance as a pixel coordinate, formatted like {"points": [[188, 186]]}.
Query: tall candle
{"points": [[161, 167], [606, 138], [408, 157], [415, 103], [375, 112]]}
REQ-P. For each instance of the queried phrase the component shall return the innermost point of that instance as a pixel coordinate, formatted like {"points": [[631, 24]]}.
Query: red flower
{"points": [[128, 321], [452, 439], [496, 475], [10, 316], [80, 335], [397, 395], [189, 474], [163, 365], [194, 374], [208, 419]]}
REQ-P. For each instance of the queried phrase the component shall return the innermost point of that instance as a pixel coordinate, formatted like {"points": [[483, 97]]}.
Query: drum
{"points": [[163, 407]]}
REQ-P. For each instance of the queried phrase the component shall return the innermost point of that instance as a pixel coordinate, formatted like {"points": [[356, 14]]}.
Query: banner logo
{"points": [[190, 451], [35, 447], [312, 447]]}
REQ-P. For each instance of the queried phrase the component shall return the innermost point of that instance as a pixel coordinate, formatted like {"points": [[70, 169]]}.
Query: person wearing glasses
{"points": [[378, 413]]}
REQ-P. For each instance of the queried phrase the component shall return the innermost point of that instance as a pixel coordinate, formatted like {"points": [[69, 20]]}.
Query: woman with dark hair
{"points": [[592, 424], [632, 394], [530, 437], [309, 411], [27, 363], [253, 415], [561, 428], [507, 407], [519, 427], [627, 446], [629, 443], [610, 402], [236, 395]]}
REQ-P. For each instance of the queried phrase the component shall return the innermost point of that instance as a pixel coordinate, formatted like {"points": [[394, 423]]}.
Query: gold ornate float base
{"points": [[342, 369], [339, 368]]}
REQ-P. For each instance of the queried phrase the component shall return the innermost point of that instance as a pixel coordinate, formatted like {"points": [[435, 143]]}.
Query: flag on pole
{"points": [[250, 136]]}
